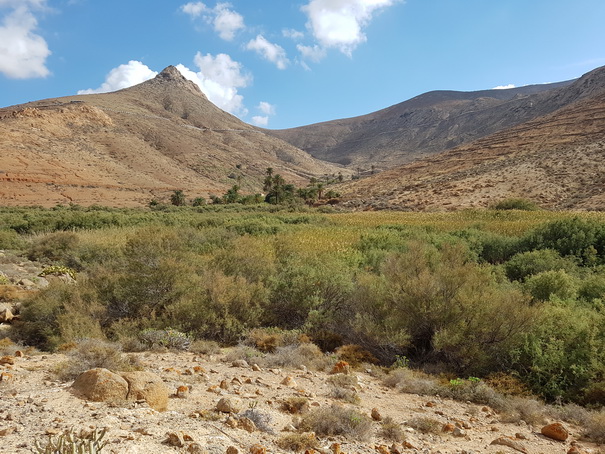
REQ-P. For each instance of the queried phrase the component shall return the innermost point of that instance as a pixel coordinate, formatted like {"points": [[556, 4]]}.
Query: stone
{"points": [[232, 450], [147, 386], [555, 431], [449, 427], [335, 448], [289, 382], [101, 385], [182, 392], [227, 405], [224, 385], [258, 449], [247, 424], [382, 449], [256, 368], [341, 367], [196, 448], [6, 315], [240, 363], [7, 360], [175, 439], [7, 431], [375, 414], [505, 441], [459, 432], [231, 422]]}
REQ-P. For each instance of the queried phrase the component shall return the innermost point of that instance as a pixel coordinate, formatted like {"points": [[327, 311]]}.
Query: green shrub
{"points": [[71, 442], [9, 239], [548, 284], [526, 264], [54, 247], [165, 338]]}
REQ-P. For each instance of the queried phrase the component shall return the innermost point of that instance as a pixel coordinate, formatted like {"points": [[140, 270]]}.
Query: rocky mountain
{"points": [[555, 160], [127, 147], [425, 125]]}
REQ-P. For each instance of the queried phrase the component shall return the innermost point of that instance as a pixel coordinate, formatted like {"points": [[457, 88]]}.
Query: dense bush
{"points": [[525, 264], [515, 204]]}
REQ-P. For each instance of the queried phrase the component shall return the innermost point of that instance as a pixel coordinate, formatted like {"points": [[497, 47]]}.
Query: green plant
{"points": [[515, 204], [401, 362], [58, 270], [165, 338], [337, 420], [177, 198], [73, 443]]}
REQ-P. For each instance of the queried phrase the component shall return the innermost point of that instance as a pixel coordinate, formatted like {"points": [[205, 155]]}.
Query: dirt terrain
{"points": [[35, 404]]}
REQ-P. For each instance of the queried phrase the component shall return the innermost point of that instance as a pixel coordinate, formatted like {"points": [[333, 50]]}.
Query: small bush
{"points": [[54, 247], [260, 419], [93, 353], [205, 347], [355, 355], [345, 394], [9, 239], [425, 425], [337, 420], [548, 284], [411, 381], [71, 442], [298, 442], [392, 431], [519, 409], [595, 427], [294, 356], [165, 338], [343, 380]]}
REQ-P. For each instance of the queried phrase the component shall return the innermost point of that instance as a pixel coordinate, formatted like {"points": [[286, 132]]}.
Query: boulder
{"points": [[147, 386], [101, 385], [555, 431], [226, 405]]}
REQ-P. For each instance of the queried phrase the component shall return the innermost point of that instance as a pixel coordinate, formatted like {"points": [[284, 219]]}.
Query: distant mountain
{"points": [[425, 125], [556, 160], [127, 147]]}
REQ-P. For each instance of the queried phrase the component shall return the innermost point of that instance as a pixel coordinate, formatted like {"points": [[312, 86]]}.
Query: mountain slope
{"points": [[425, 125], [555, 160], [126, 147]]}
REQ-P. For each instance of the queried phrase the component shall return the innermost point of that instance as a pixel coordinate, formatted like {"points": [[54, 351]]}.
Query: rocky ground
{"points": [[35, 404]]}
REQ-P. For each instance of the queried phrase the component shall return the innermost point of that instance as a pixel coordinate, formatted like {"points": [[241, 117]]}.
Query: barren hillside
{"points": [[555, 160], [127, 147]]}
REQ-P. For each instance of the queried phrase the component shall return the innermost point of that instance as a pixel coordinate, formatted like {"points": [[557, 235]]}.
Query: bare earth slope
{"points": [[555, 160], [127, 147], [426, 125]]}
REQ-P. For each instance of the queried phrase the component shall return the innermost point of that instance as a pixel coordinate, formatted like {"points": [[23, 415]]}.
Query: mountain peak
{"points": [[171, 75]]}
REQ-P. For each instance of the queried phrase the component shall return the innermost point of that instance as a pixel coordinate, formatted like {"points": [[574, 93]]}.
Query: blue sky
{"points": [[282, 64]]}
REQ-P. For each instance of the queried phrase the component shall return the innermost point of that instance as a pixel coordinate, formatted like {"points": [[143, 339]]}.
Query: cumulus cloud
{"points": [[292, 33], [124, 76], [219, 77], [23, 53], [314, 53], [504, 87], [226, 21], [269, 51], [266, 108], [260, 120], [340, 23]]}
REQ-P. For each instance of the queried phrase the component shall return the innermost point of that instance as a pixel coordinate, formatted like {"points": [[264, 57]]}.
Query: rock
{"points": [[289, 382], [196, 448], [335, 447], [382, 449], [341, 367], [7, 431], [231, 422], [258, 449], [101, 385], [376, 416], [430, 404], [240, 363], [232, 450], [7, 360], [147, 386], [256, 368], [175, 439], [224, 385], [247, 424], [227, 405], [448, 428], [505, 441], [182, 392], [555, 431], [6, 314], [459, 432]]}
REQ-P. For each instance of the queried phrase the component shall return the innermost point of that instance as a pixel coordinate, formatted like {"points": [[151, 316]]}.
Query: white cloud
{"points": [[219, 77], [124, 76], [272, 52], [340, 23], [194, 9], [504, 87], [23, 53], [266, 108], [226, 21], [314, 53], [260, 121], [292, 34]]}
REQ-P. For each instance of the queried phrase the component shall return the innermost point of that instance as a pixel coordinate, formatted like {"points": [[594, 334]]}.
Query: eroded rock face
{"points": [[101, 385]]}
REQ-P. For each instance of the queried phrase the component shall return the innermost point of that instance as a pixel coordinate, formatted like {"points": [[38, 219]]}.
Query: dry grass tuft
{"points": [[595, 427], [298, 442], [337, 420], [295, 405], [425, 425], [392, 431]]}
